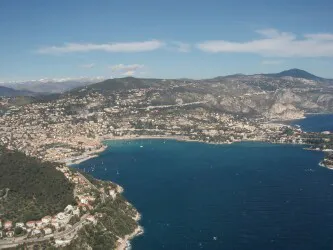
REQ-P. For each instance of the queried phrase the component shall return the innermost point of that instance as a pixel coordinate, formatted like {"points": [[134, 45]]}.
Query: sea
{"points": [[243, 196]]}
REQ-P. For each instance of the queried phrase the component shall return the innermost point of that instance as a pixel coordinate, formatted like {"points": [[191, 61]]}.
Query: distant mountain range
{"points": [[56, 86], [48, 86]]}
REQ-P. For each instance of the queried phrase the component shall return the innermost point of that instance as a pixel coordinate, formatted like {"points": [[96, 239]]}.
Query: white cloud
{"points": [[276, 44], [271, 62], [126, 69], [108, 47], [129, 73], [87, 66]]}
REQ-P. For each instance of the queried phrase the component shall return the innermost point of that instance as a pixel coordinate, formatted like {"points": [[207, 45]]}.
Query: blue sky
{"points": [[164, 39]]}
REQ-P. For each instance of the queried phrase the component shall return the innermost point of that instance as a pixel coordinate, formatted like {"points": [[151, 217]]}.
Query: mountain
{"points": [[297, 73], [110, 85], [52, 85], [10, 92]]}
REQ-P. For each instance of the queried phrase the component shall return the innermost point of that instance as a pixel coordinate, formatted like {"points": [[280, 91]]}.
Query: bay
{"points": [[240, 196]]}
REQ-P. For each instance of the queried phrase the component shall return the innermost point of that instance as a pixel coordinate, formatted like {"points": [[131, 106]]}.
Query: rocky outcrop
{"points": [[281, 111]]}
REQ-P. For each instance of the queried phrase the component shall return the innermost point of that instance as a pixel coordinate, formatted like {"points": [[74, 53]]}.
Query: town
{"points": [[62, 227], [72, 127]]}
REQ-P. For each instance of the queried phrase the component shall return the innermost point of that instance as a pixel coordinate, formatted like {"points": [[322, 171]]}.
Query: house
{"points": [[76, 211], [54, 219], [30, 224], [10, 234], [91, 218], [19, 224], [47, 230], [39, 223], [112, 193], [69, 209], [36, 232], [55, 224], [46, 219], [61, 216], [8, 225], [82, 206], [1, 234], [0, 224], [84, 200]]}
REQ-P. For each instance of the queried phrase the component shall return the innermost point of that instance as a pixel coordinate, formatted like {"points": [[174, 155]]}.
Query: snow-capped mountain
{"points": [[57, 85]]}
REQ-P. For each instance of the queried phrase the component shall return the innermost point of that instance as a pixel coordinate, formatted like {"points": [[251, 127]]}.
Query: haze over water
{"points": [[239, 196]]}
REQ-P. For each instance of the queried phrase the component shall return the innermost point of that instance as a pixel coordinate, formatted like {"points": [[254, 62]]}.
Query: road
{"points": [[68, 233]]}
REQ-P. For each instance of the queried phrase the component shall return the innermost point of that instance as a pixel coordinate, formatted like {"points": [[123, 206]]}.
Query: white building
{"points": [[10, 234], [46, 219], [36, 232], [19, 224], [47, 230]]}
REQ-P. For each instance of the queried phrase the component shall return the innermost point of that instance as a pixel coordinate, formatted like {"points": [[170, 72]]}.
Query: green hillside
{"points": [[29, 188]]}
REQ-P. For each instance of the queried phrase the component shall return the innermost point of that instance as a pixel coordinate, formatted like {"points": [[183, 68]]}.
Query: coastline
{"points": [[95, 152], [125, 243]]}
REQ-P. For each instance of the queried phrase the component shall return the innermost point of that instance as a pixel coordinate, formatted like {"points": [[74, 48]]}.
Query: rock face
{"points": [[284, 112]]}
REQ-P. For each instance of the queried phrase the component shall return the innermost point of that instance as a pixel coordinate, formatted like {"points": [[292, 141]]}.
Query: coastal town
{"points": [[72, 128], [62, 227]]}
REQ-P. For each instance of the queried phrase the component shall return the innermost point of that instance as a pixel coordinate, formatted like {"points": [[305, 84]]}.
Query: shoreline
{"points": [[125, 243], [95, 152]]}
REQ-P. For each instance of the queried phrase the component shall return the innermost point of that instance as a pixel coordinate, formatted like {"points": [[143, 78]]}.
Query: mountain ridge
{"points": [[64, 85]]}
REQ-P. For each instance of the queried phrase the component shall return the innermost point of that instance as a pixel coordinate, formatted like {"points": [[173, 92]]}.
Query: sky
{"points": [[163, 39]]}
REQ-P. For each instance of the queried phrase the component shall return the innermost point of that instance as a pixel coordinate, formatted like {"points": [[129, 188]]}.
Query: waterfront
{"points": [[241, 196]]}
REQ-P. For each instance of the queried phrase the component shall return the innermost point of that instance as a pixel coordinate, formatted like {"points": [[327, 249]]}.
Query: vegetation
{"points": [[117, 221], [30, 188]]}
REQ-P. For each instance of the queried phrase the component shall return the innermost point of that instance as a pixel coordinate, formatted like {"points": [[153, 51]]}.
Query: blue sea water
{"points": [[316, 123], [240, 196]]}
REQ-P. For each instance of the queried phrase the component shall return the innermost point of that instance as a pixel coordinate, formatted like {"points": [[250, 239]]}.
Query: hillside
{"points": [[111, 85], [10, 92], [29, 188], [285, 95], [297, 73]]}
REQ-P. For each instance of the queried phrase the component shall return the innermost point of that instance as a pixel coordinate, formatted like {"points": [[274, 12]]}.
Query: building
{"points": [[30, 224], [61, 216], [19, 224], [47, 230], [39, 223], [55, 224], [54, 219], [69, 209], [91, 218], [36, 232], [76, 211], [112, 193], [47, 219], [10, 234], [8, 225]]}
